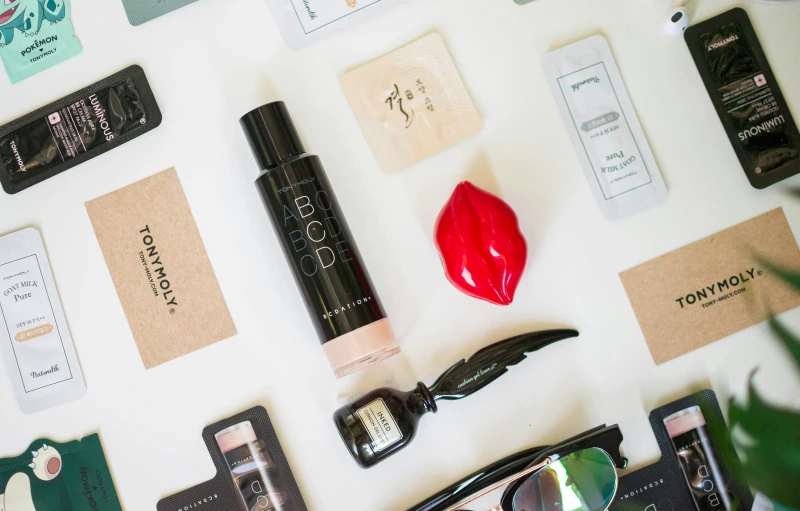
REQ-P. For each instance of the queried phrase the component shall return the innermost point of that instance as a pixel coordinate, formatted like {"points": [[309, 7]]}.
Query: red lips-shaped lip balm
{"points": [[482, 248]]}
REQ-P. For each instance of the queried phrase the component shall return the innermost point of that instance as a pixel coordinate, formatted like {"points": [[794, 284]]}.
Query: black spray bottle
{"points": [[318, 245], [385, 420]]}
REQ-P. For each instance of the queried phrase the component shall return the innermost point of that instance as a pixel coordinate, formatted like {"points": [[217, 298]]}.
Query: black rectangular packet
{"points": [[662, 486], [257, 472], [746, 95], [76, 128]]}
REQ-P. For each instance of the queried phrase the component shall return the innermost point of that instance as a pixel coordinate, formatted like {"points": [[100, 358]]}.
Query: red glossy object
{"points": [[482, 248]]}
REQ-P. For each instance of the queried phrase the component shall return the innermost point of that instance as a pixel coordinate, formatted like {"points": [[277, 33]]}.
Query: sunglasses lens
{"points": [[582, 481]]}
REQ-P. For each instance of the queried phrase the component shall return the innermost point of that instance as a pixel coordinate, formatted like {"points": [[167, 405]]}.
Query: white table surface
{"points": [[212, 61]]}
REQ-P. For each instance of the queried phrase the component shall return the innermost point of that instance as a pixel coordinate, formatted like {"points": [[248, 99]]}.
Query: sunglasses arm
{"points": [[508, 480]]}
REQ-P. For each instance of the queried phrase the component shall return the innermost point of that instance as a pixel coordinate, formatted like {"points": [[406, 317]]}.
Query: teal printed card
{"points": [[142, 11], [35, 35]]}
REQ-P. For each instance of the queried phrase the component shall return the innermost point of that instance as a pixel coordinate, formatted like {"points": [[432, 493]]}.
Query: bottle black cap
{"points": [[272, 136]]}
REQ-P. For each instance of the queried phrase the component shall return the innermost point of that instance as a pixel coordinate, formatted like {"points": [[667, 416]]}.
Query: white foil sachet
{"points": [[34, 338], [303, 22], [604, 128]]}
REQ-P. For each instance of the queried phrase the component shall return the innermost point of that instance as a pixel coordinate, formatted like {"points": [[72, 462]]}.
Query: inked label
{"points": [[380, 425]]}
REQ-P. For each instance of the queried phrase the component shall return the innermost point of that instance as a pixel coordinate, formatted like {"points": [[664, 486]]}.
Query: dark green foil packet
{"points": [[747, 97], [76, 128], [51, 476]]}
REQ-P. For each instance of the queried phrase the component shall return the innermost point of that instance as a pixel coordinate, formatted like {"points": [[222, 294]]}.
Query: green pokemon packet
{"points": [[35, 35], [64, 477]]}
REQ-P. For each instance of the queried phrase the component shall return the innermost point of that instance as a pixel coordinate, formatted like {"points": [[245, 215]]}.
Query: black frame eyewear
{"points": [[514, 468]]}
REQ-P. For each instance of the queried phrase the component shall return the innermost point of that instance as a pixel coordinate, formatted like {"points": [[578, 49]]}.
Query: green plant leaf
{"points": [[790, 277], [762, 421], [790, 342], [772, 451], [726, 453], [767, 475], [772, 454]]}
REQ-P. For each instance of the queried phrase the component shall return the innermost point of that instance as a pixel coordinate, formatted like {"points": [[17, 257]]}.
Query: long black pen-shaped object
{"points": [[385, 420]]}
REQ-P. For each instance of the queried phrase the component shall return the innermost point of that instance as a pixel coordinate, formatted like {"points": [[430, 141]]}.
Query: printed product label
{"points": [[320, 249], [704, 475], [749, 99], [315, 14], [604, 131], [256, 477], [380, 425], [64, 134], [28, 315], [70, 126]]}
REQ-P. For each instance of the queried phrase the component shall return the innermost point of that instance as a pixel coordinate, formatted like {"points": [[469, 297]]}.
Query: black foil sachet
{"points": [[76, 128], [665, 485], [253, 473], [747, 97]]}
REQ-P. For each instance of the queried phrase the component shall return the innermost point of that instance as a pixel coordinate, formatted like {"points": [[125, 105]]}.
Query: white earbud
{"points": [[678, 21]]}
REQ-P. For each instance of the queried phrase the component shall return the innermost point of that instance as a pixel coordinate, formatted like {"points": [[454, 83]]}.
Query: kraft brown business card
{"points": [[160, 268], [714, 287]]}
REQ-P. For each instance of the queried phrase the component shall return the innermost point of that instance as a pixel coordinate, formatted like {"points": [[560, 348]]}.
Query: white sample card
{"points": [[603, 127], [35, 340], [314, 15], [303, 22]]}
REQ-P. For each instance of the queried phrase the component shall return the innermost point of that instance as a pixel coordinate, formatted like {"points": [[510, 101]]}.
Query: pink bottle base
{"points": [[361, 348]]}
